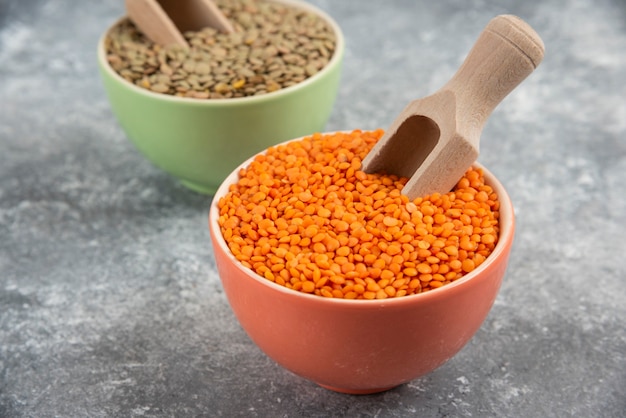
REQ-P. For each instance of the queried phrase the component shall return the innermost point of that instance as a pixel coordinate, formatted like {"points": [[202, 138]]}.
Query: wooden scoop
{"points": [[164, 21], [435, 139]]}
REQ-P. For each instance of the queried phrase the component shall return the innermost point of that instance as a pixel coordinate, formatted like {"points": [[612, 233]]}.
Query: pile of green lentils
{"points": [[274, 46]]}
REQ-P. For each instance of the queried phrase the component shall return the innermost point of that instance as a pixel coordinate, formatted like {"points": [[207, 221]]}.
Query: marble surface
{"points": [[110, 304]]}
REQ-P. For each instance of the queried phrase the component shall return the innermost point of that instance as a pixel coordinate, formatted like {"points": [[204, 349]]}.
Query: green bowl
{"points": [[200, 141]]}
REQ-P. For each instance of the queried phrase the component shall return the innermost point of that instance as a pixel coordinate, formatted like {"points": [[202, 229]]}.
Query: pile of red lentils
{"points": [[304, 216]]}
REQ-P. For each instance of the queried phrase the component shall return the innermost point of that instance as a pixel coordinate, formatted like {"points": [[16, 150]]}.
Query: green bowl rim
{"points": [[330, 66]]}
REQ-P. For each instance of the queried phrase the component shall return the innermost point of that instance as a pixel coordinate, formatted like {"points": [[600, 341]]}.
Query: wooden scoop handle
{"points": [[196, 14], [154, 22], [506, 52], [162, 21]]}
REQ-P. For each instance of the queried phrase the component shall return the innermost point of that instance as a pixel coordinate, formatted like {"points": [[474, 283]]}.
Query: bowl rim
{"points": [[507, 231], [335, 61]]}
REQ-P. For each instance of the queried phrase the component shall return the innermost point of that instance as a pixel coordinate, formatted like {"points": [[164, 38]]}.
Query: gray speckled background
{"points": [[110, 304]]}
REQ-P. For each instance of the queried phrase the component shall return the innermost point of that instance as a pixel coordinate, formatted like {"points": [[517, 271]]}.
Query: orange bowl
{"points": [[362, 346]]}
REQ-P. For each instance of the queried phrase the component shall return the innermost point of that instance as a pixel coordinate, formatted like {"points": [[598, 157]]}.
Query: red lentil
{"points": [[304, 216]]}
